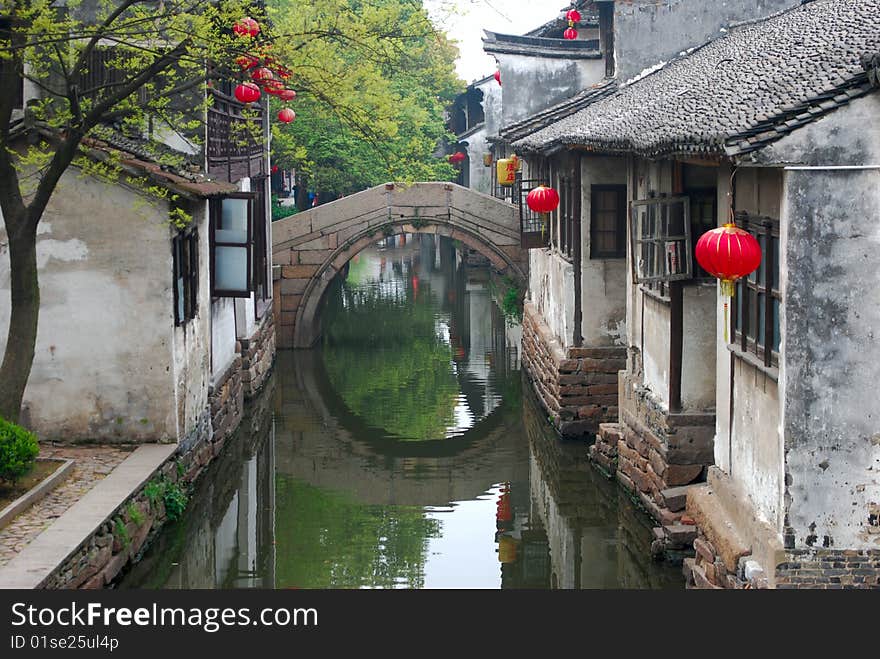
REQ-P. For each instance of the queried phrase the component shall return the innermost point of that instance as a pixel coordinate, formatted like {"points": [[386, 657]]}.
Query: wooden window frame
{"points": [[745, 342], [620, 251], [260, 274], [660, 235], [215, 216], [190, 264]]}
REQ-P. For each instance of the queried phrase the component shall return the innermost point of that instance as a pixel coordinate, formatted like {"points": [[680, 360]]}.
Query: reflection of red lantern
{"points": [[543, 199], [286, 115], [247, 92], [728, 253], [503, 511], [570, 33], [498, 77]]}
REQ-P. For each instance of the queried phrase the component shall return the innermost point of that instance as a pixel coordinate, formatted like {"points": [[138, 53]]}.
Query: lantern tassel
{"points": [[725, 321]]}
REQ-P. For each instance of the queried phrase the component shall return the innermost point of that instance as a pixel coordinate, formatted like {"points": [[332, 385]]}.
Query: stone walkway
{"points": [[91, 465]]}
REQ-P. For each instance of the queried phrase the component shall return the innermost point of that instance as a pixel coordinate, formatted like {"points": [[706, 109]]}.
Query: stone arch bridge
{"points": [[309, 248]]}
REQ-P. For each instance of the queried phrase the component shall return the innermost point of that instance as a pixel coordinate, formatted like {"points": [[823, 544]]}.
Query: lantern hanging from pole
{"points": [[247, 92], [728, 253], [570, 33], [286, 115]]}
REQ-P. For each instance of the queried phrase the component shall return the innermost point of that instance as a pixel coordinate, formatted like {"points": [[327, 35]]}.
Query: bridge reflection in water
{"points": [[404, 453]]}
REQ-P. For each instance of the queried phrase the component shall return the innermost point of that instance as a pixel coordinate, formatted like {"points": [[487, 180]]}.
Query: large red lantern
{"points": [[728, 253], [543, 199], [457, 157], [573, 16], [286, 115], [246, 27], [287, 95], [570, 33], [247, 92]]}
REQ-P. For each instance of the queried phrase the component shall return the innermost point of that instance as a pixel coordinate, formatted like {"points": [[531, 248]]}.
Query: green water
{"points": [[406, 452]]}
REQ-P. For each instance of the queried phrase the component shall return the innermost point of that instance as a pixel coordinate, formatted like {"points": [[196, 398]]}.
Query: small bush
{"points": [[18, 450], [175, 500]]}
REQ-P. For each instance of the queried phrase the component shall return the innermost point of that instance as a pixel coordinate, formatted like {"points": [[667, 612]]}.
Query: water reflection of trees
{"points": [[365, 546], [389, 364]]}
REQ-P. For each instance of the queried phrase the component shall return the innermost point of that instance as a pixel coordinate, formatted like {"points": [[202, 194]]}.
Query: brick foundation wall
{"points": [[258, 355], [128, 531], [577, 386], [659, 451], [829, 569]]}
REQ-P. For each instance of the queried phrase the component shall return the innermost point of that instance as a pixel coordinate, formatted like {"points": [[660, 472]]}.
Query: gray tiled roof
{"points": [[736, 93], [559, 111]]}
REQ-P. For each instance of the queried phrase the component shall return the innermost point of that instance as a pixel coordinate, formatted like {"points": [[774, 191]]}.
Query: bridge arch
{"points": [[312, 247]]}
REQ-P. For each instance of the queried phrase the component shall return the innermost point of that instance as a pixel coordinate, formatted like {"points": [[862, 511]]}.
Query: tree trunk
{"points": [[22, 337], [302, 192]]}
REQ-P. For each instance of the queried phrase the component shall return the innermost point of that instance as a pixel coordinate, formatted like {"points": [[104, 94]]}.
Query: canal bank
{"points": [[404, 453]]}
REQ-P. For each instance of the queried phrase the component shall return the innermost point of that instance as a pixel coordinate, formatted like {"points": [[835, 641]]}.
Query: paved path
{"points": [[30, 566]]}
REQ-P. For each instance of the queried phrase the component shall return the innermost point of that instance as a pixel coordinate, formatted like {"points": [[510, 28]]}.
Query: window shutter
{"points": [[232, 246]]}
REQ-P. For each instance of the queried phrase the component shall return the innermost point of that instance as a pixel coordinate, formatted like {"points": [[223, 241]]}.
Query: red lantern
{"points": [[246, 61], [286, 115], [503, 511], [262, 74], [573, 16], [570, 33], [728, 253], [498, 77], [246, 27], [273, 86], [456, 157], [247, 92], [543, 199], [287, 95]]}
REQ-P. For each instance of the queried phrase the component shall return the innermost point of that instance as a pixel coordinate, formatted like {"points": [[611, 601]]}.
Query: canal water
{"points": [[406, 452]]}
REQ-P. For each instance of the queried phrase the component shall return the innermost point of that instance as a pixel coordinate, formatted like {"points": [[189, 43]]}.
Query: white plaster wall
{"points": [[480, 175], [655, 347], [223, 336], [103, 365], [603, 281], [191, 342], [698, 347], [755, 455], [530, 84], [551, 290]]}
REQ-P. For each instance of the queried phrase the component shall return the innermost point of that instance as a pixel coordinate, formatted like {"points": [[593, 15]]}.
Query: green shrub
{"points": [[18, 450], [175, 500]]}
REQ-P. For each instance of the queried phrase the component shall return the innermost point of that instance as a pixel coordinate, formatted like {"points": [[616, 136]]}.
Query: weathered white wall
{"points": [[648, 31], [480, 175], [698, 347], [756, 456], [103, 366], [530, 84], [492, 106], [603, 281], [655, 347], [832, 360], [191, 342], [552, 291], [222, 336]]}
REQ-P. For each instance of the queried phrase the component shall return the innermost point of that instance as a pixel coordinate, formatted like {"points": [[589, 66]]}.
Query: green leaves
{"points": [[373, 79], [18, 450]]}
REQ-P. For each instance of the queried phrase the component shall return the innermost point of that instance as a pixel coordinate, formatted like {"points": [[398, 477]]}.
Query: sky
{"points": [[471, 17]]}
